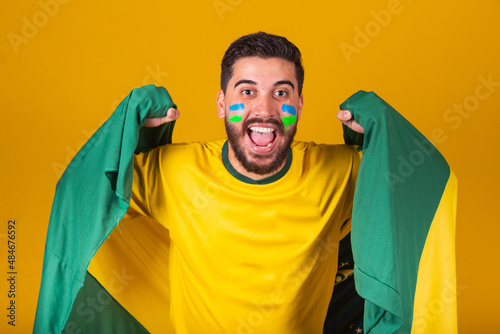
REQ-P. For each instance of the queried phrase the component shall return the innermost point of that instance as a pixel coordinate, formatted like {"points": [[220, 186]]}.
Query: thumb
{"points": [[346, 118], [344, 115], [172, 115]]}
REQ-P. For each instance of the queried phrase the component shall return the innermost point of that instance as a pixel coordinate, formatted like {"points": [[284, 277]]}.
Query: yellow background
{"points": [[64, 67]]}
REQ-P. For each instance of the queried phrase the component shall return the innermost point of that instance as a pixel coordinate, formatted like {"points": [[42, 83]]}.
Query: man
{"points": [[265, 58], [231, 236], [270, 236]]}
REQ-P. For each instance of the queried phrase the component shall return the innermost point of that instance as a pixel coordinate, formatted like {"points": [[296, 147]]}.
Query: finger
{"points": [[346, 118], [344, 115], [172, 115], [355, 126]]}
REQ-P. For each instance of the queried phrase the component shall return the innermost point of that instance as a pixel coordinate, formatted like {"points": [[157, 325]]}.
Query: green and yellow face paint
{"points": [[236, 107], [289, 120]]}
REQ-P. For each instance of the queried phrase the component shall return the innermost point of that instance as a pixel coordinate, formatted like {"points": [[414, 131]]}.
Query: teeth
{"points": [[261, 130], [266, 146]]}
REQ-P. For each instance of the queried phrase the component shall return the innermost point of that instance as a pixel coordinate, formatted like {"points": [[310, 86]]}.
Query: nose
{"points": [[264, 107]]}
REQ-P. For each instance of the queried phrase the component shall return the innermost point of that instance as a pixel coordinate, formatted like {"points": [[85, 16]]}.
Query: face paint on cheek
{"points": [[234, 118], [236, 107], [288, 109], [288, 120]]}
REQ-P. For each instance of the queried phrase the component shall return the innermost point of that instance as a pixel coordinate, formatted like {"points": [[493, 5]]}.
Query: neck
{"points": [[242, 170]]}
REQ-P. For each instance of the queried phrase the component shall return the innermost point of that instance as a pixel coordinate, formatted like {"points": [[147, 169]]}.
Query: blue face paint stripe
{"points": [[236, 107], [288, 109]]}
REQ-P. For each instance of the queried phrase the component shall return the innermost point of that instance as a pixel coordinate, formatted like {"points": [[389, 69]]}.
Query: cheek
{"points": [[288, 120], [235, 109], [234, 118], [286, 108], [291, 117]]}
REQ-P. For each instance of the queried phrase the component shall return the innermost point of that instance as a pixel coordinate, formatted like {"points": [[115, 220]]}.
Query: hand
{"points": [[172, 115], [345, 117]]}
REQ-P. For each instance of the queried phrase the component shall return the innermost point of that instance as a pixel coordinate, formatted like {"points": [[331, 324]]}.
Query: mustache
{"points": [[279, 124]]}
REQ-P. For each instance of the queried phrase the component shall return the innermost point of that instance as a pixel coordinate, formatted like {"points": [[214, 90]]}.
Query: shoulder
{"points": [[324, 167], [187, 150], [179, 154], [326, 162], [325, 153]]}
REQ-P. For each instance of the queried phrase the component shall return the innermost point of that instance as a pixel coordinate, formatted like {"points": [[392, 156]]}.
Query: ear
{"points": [[301, 104], [221, 104]]}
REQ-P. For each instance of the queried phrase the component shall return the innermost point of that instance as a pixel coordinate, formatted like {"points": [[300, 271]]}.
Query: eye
{"points": [[247, 92], [281, 93]]}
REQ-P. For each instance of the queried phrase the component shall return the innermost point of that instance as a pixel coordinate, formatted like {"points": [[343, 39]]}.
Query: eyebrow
{"points": [[277, 83], [244, 81], [284, 82]]}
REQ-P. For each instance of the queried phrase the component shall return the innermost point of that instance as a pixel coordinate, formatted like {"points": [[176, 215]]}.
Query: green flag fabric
{"points": [[91, 197], [400, 185], [403, 183]]}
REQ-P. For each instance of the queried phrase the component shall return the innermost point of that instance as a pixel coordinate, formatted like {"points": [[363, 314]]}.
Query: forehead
{"points": [[263, 69]]}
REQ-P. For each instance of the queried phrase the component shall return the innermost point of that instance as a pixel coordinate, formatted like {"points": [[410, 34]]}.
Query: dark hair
{"points": [[261, 45]]}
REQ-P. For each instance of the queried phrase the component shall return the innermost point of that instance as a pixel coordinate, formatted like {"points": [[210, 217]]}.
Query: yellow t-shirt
{"points": [[242, 257]]}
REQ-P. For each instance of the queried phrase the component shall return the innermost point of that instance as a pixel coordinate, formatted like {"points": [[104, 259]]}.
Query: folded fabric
{"points": [[403, 224], [402, 227], [91, 197]]}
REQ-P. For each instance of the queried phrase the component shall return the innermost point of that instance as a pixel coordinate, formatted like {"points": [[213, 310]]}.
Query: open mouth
{"points": [[262, 138]]}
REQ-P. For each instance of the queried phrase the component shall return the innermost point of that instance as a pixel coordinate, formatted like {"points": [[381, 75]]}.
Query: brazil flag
{"points": [[403, 224], [91, 197], [402, 229]]}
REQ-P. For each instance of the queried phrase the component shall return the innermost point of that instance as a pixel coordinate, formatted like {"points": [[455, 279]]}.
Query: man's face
{"points": [[261, 108]]}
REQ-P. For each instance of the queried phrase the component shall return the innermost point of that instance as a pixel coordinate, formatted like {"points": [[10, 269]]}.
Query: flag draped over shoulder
{"points": [[403, 224], [402, 229], [91, 197]]}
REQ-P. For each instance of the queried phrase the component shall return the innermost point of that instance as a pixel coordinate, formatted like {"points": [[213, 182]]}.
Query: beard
{"points": [[257, 163]]}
